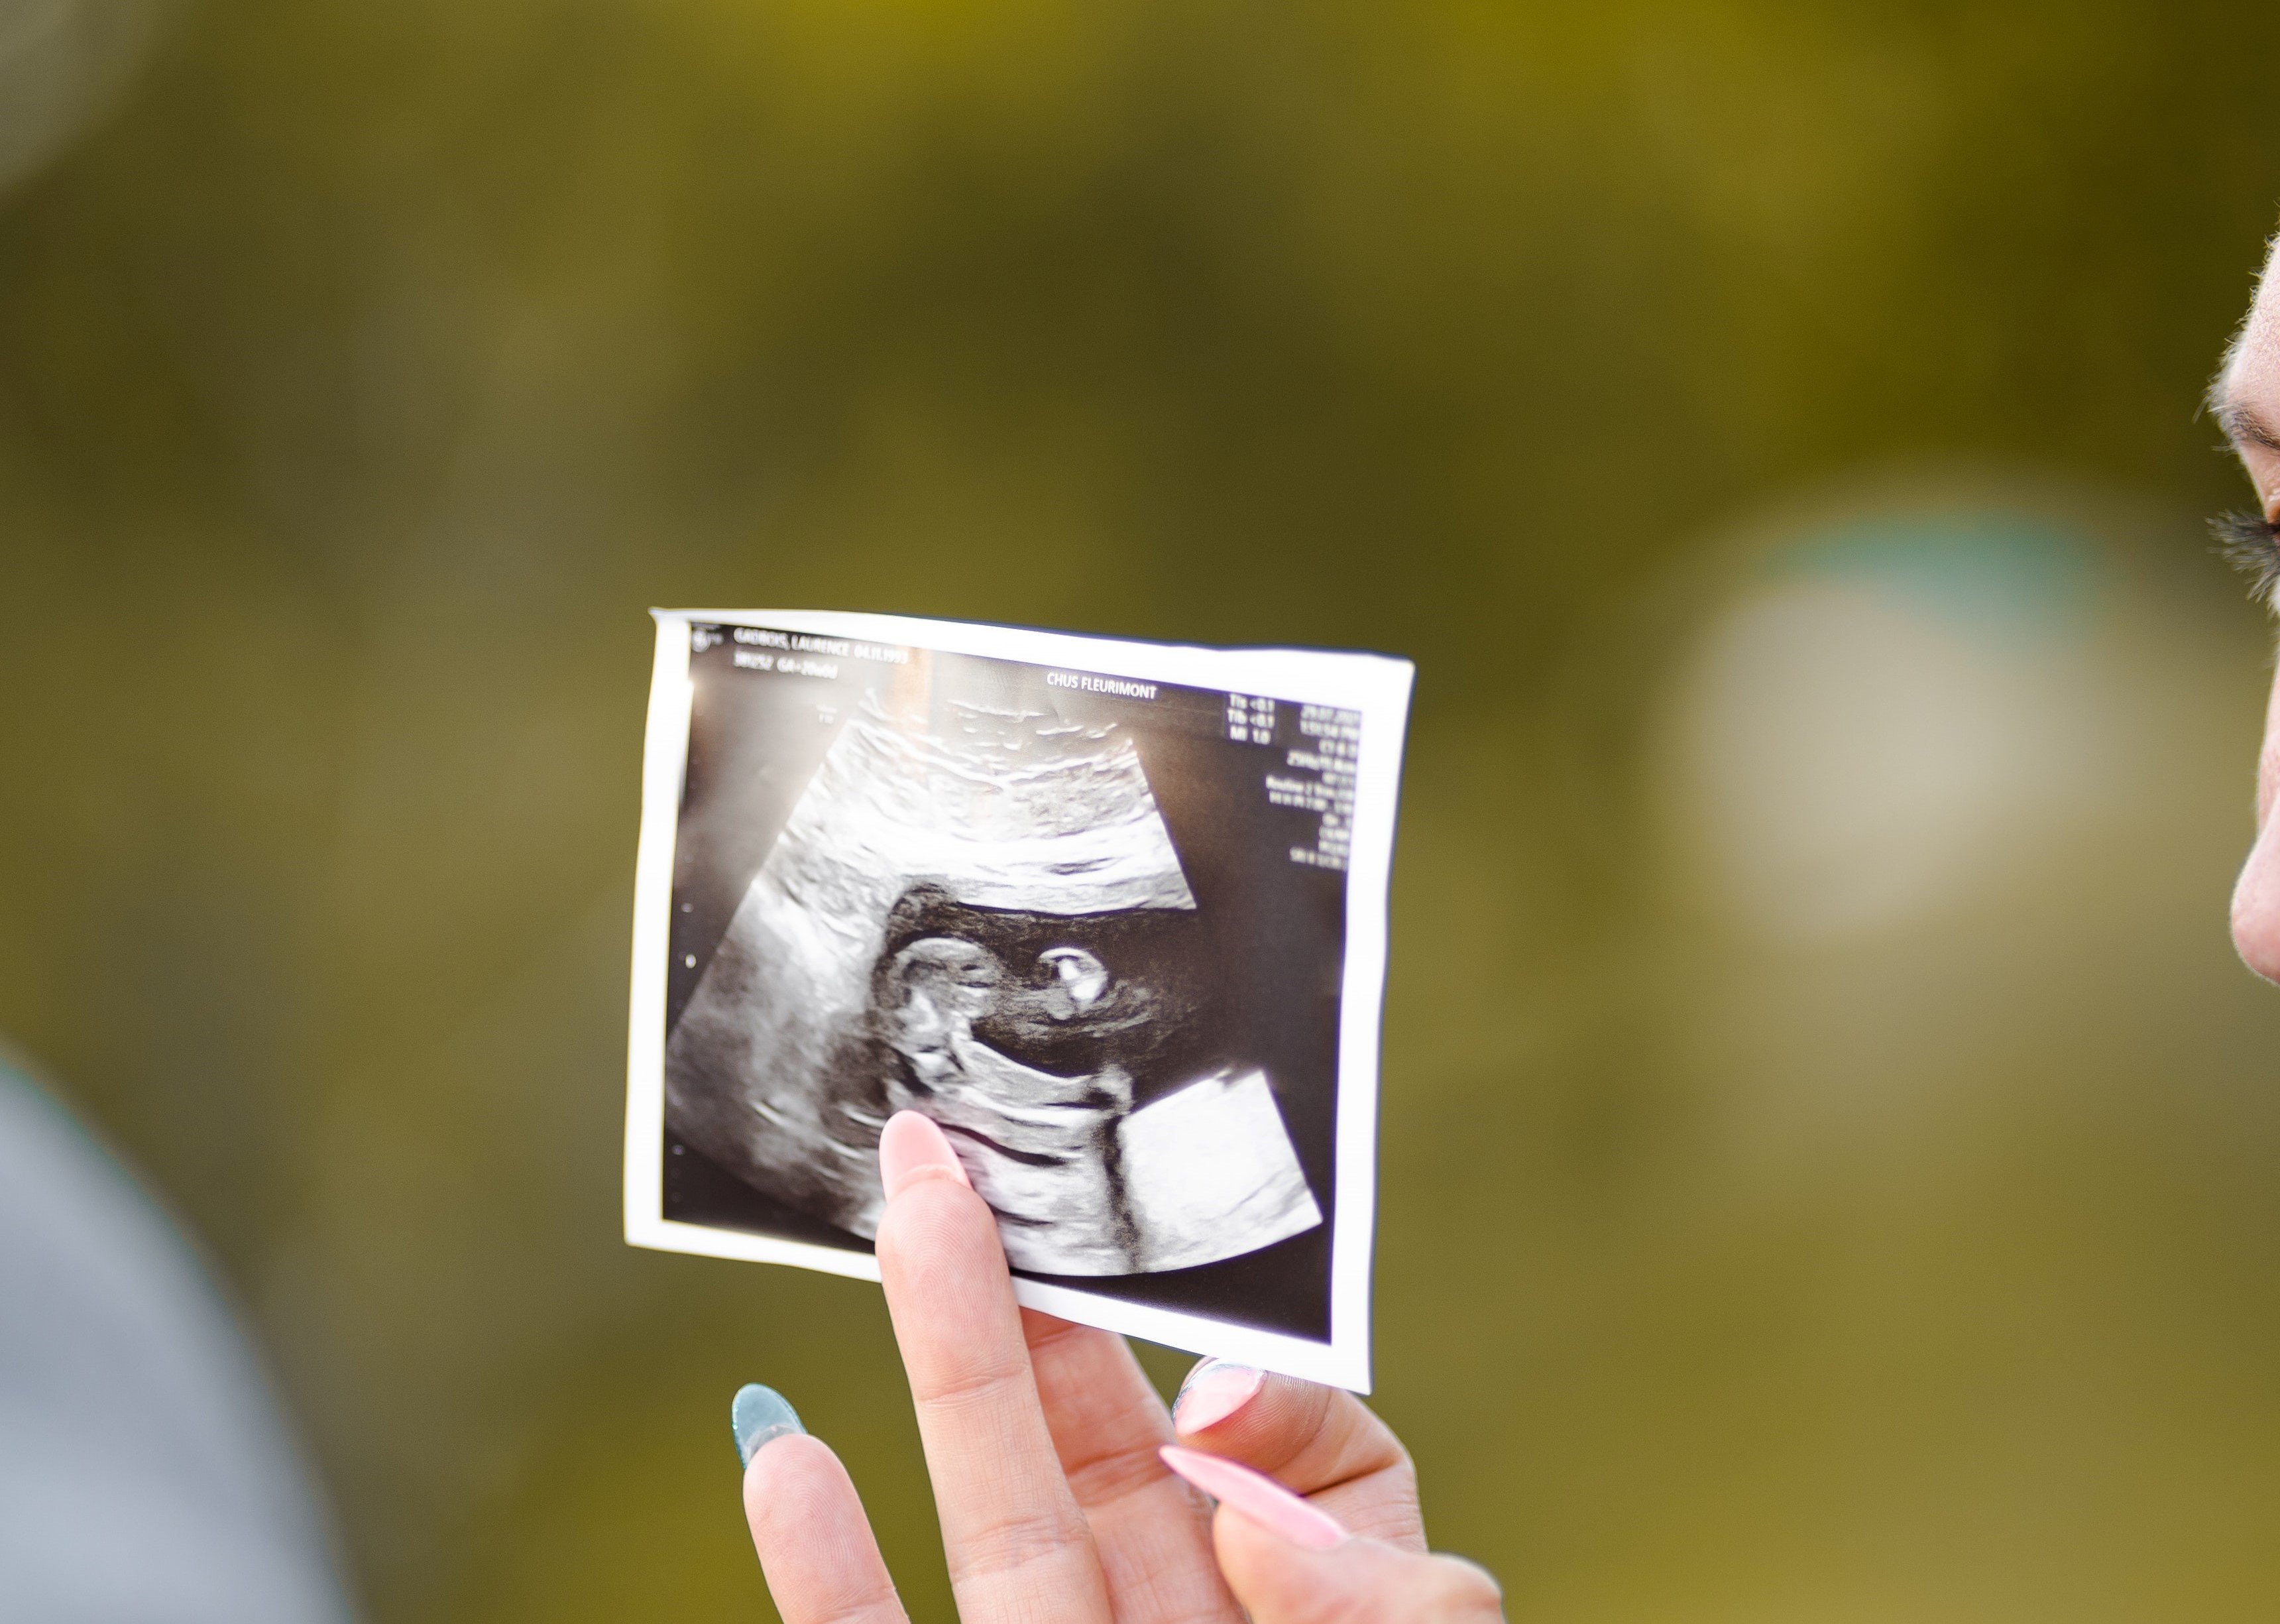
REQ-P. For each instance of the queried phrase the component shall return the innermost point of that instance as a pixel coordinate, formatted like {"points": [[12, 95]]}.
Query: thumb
{"points": [[1355, 1581], [1287, 1562]]}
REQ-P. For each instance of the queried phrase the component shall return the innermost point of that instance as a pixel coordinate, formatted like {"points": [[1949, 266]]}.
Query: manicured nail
{"points": [[759, 1416], [913, 1148], [1258, 1497], [1215, 1390]]}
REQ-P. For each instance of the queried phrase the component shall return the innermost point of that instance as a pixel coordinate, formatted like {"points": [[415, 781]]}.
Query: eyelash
{"points": [[2251, 545]]}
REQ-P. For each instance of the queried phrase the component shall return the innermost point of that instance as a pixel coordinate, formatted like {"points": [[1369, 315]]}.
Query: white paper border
{"points": [[1376, 685]]}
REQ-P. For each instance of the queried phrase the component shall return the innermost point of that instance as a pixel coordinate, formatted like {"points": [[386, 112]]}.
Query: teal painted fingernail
{"points": [[758, 1415]]}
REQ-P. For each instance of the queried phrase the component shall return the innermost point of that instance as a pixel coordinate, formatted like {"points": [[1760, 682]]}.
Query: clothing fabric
{"points": [[146, 1475]]}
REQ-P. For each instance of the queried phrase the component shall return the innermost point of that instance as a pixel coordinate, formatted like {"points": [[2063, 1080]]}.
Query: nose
{"points": [[2256, 905]]}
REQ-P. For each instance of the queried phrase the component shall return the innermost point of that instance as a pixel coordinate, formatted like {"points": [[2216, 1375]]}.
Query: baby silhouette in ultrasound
{"points": [[1030, 1037]]}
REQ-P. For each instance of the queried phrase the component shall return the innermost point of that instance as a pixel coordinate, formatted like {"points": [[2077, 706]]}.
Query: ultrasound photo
{"points": [[1111, 914]]}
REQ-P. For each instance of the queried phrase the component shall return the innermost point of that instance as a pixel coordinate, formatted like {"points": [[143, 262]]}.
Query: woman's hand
{"points": [[1047, 1446]]}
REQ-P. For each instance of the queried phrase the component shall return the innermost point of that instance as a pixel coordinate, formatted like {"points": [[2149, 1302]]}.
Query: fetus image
{"points": [[975, 911]]}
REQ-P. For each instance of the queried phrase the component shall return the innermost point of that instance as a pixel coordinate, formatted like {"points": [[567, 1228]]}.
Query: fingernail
{"points": [[1260, 1499], [913, 1148], [1215, 1390], [759, 1416]]}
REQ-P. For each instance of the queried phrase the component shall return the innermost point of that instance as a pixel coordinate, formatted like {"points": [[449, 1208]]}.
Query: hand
{"points": [[1046, 1445]]}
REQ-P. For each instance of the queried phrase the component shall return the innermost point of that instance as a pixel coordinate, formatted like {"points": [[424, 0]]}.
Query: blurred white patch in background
{"points": [[1884, 716], [62, 63], [1946, 792]]}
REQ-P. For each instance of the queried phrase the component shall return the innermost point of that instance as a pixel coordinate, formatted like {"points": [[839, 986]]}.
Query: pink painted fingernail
{"points": [[1214, 1393], [1258, 1497], [912, 1148]]}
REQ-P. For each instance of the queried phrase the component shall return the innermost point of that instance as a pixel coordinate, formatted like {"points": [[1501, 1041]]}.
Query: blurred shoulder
{"points": [[148, 1473]]}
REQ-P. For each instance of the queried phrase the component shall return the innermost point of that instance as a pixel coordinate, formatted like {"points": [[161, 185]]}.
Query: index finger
{"points": [[1017, 1545]]}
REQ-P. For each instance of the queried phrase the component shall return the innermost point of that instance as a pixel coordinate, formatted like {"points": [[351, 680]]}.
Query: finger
{"points": [[1107, 1425], [1357, 1581], [815, 1545], [1017, 1543], [1321, 1441], [1290, 1563]]}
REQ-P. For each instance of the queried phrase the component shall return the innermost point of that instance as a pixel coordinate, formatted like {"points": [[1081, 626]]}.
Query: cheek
{"points": [[2268, 757]]}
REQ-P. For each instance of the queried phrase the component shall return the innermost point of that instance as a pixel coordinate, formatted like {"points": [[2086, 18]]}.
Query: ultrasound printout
{"points": [[1111, 914]]}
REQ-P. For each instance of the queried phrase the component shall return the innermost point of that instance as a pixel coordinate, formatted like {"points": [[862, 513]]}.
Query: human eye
{"points": [[2251, 545]]}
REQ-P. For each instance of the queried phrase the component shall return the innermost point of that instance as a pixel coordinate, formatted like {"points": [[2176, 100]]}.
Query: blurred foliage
{"points": [[365, 371]]}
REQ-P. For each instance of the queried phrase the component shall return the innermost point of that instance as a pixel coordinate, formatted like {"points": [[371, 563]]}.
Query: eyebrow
{"points": [[2244, 427]]}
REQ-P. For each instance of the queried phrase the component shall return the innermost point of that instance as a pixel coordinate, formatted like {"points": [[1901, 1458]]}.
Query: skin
{"points": [[2246, 396], [1041, 1438]]}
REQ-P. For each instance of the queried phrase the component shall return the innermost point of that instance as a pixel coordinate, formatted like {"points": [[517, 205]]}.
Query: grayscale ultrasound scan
{"points": [[1096, 922]]}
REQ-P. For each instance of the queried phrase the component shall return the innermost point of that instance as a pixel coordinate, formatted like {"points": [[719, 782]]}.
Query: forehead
{"points": [[2252, 372]]}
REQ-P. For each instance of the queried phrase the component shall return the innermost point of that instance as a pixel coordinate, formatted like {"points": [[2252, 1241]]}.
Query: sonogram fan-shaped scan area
{"points": [[979, 914]]}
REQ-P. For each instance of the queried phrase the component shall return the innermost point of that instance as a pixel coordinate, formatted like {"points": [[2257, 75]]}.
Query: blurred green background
{"points": [[1832, 1157]]}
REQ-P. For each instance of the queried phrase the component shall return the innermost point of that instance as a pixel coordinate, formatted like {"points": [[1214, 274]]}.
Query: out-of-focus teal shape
{"points": [[2013, 578]]}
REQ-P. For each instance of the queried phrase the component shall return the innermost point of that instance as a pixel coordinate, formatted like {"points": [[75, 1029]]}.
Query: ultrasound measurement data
{"points": [[1316, 776]]}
